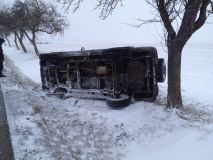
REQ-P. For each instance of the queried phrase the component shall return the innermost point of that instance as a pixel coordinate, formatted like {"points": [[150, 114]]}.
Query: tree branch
{"points": [[28, 36], [189, 18], [143, 22], [202, 17], [165, 18]]}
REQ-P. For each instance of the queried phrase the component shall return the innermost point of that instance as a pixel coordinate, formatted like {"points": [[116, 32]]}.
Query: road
{"points": [[6, 151]]}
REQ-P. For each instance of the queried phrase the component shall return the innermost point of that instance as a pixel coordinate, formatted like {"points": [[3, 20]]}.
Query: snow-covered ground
{"points": [[50, 128]]}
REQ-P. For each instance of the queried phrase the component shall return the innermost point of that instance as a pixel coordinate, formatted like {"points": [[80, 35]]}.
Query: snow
{"points": [[27, 63], [187, 144], [89, 129], [197, 74]]}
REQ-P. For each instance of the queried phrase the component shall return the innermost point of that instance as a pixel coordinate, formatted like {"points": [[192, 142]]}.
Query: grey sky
{"points": [[86, 26]]}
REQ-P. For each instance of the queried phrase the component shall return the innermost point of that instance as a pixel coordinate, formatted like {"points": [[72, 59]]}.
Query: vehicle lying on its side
{"points": [[117, 75]]}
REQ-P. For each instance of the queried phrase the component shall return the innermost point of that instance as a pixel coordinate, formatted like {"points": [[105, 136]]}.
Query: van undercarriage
{"points": [[116, 75]]}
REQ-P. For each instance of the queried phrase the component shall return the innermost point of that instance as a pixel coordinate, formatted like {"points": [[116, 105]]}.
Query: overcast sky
{"points": [[86, 26]]}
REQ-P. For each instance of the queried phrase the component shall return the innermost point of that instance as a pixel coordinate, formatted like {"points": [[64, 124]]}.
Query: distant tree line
{"points": [[27, 19]]}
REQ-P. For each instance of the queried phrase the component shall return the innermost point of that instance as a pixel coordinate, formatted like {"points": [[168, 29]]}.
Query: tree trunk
{"points": [[8, 41], [20, 39], [22, 45], [174, 99], [16, 41], [35, 48], [34, 45], [33, 41]]}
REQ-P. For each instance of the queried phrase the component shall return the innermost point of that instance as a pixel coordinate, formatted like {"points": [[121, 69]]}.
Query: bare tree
{"points": [[29, 18], [20, 36], [12, 20], [18, 13], [42, 17], [180, 19], [5, 22], [16, 43]]}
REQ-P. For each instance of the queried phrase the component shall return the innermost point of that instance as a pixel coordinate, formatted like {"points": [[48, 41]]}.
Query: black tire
{"points": [[161, 70], [122, 101], [60, 92]]}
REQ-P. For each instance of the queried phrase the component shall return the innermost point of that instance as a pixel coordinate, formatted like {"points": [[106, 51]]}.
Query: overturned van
{"points": [[117, 75]]}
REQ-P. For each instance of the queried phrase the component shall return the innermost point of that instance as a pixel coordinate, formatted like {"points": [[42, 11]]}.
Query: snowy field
{"points": [[49, 128]]}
